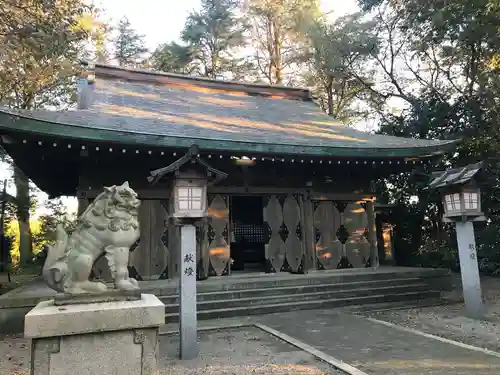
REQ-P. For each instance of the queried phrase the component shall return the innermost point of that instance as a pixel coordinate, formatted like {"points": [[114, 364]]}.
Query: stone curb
{"points": [[334, 362], [209, 328], [338, 364], [437, 338]]}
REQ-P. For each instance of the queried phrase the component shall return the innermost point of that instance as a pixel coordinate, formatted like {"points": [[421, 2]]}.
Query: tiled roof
{"points": [[170, 110], [455, 176]]}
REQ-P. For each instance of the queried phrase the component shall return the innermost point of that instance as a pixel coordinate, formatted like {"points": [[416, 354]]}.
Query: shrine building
{"points": [[299, 190]]}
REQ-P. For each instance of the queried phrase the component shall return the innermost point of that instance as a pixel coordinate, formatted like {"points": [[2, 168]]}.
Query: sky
{"points": [[161, 22]]}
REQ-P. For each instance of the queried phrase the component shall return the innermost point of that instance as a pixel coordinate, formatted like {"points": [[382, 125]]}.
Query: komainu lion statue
{"points": [[108, 227]]}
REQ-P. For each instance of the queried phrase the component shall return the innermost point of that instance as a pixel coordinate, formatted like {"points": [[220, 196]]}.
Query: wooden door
{"points": [[218, 233], [202, 252], [149, 257], [159, 223], [294, 241], [140, 253], [276, 232], [328, 247], [285, 247]]}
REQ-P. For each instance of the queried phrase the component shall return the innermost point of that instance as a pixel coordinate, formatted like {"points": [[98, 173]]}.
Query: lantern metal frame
{"points": [[189, 193]]}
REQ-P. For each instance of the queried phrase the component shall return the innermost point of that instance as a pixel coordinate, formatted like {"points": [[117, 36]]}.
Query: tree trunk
{"points": [[23, 216], [329, 93]]}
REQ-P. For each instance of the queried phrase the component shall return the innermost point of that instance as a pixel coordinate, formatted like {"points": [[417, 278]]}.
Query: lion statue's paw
{"points": [[87, 287], [127, 284]]}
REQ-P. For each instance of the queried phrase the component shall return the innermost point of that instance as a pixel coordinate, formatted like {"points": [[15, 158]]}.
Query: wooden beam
{"points": [[164, 193], [143, 193], [253, 190], [351, 197]]}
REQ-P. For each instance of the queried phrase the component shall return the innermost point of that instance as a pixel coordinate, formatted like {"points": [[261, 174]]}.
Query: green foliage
{"points": [[129, 46], [212, 36], [447, 87], [173, 57], [95, 47], [43, 231], [57, 214], [278, 42], [40, 44], [335, 50]]}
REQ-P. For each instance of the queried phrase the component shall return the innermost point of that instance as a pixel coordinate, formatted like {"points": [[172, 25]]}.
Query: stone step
{"points": [[308, 305], [263, 280], [299, 289], [292, 297], [402, 305]]}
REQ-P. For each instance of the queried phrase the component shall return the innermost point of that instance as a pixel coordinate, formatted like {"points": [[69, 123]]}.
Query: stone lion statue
{"points": [[108, 227]]}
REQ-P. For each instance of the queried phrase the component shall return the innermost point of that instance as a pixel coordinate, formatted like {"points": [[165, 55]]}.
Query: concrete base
{"points": [[97, 338]]}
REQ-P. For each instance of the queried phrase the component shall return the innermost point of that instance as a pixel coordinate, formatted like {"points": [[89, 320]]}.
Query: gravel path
{"points": [[14, 355], [233, 351], [247, 350], [449, 320]]}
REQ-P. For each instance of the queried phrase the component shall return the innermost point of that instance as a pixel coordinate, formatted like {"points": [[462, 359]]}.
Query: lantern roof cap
{"points": [[190, 156], [454, 176]]}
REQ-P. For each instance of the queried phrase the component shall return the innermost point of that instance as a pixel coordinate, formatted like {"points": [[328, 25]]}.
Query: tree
{"points": [[41, 42], [95, 47], [57, 214], [335, 51], [437, 62], [129, 45], [173, 57], [277, 31], [213, 36]]}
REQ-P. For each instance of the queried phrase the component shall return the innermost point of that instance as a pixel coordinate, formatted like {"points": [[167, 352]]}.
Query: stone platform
{"points": [[261, 293], [118, 337]]}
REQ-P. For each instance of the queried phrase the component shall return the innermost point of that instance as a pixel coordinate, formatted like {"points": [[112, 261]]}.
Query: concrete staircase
{"points": [[356, 290], [352, 290]]}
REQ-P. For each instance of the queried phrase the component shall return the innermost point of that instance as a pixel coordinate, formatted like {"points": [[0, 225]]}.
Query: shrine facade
{"points": [[298, 195]]}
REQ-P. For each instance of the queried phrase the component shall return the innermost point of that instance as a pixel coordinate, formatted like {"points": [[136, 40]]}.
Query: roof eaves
{"points": [[16, 122]]}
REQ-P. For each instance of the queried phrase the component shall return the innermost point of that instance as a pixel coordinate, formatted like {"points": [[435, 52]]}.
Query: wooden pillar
{"points": [[174, 245], [372, 234], [82, 194], [309, 234], [83, 203], [303, 237], [202, 256]]}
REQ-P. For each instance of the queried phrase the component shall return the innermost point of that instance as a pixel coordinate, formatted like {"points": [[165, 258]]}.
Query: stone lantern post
{"points": [[461, 198], [191, 176]]}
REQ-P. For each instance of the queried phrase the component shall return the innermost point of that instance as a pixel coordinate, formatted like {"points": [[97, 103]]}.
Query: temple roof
{"points": [[166, 110]]}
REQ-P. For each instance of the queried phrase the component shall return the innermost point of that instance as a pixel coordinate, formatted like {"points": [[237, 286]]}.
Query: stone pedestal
{"points": [[118, 337]]}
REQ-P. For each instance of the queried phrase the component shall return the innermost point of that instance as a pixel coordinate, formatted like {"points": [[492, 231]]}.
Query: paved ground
{"points": [[377, 349], [373, 348]]}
